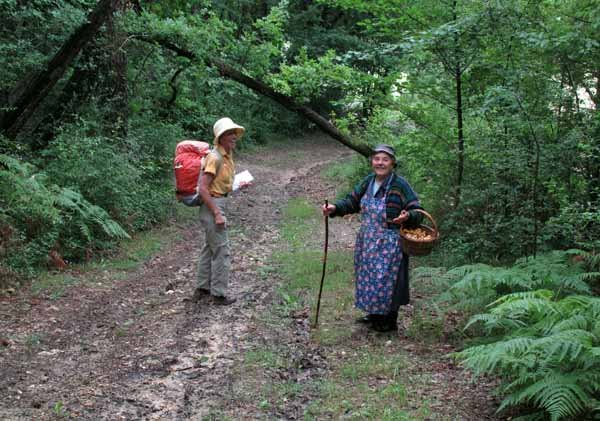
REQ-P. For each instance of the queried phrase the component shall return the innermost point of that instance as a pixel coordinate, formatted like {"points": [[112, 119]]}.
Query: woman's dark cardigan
{"points": [[401, 196]]}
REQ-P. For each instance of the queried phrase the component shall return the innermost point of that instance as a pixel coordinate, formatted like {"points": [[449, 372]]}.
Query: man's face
{"points": [[228, 139]]}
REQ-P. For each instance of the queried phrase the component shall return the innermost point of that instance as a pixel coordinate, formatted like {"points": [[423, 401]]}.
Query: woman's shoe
{"points": [[387, 323], [385, 326], [370, 318]]}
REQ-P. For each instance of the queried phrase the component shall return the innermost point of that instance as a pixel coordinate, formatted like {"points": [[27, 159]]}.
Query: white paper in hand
{"points": [[243, 177]]}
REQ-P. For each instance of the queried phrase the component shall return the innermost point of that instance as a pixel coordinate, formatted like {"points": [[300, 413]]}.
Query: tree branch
{"points": [[263, 89]]}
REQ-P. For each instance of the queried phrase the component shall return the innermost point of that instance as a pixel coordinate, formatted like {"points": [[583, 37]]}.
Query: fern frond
{"points": [[565, 346], [576, 303], [486, 359], [574, 252], [524, 295], [526, 308], [473, 282], [20, 168], [493, 321], [462, 271], [577, 321], [88, 213], [588, 276], [558, 394], [576, 284]]}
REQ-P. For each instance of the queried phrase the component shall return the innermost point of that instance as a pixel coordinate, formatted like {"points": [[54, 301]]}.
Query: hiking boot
{"points": [[222, 300], [199, 294], [369, 318]]}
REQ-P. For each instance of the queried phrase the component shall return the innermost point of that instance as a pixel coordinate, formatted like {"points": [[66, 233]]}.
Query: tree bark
{"points": [[25, 98], [459, 113], [461, 139], [261, 88]]}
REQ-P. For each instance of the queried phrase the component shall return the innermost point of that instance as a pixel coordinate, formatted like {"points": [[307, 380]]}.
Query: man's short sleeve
{"points": [[210, 164]]}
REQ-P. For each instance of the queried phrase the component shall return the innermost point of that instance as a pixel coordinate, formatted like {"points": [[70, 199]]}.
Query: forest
{"points": [[491, 105]]}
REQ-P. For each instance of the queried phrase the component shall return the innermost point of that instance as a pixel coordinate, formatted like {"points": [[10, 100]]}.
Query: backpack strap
{"points": [[219, 163], [219, 159]]}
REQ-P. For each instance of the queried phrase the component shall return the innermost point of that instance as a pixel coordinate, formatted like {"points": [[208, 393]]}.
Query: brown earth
{"points": [[132, 347]]}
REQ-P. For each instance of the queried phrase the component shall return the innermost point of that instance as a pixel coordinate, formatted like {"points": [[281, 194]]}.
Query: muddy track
{"points": [[134, 348]]}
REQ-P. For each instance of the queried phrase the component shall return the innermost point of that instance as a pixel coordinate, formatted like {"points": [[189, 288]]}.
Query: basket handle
{"points": [[430, 218]]}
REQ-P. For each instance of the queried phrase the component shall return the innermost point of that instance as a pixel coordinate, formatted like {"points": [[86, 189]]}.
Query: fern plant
{"points": [[473, 287], [37, 216], [548, 354]]}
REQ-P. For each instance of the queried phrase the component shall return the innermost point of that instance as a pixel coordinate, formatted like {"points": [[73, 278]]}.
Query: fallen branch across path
{"points": [[263, 89]]}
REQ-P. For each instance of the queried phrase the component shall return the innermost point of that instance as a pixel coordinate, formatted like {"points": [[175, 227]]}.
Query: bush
{"points": [[127, 178], [547, 356], [540, 331], [37, 217]]}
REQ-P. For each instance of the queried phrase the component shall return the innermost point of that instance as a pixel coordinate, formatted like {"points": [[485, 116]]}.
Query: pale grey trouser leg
{"points": [[215, 264]]}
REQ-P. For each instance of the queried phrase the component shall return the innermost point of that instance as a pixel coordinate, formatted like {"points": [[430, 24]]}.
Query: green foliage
{"points": [[23, 46], [311, 79], [547, 354], [473, 287], [538, 330], [37, 216]]}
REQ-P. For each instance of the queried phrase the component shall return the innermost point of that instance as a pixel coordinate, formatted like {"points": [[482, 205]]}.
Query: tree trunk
{"points": [[26, 97], [461, 140], [116, 78], [459, 113]]}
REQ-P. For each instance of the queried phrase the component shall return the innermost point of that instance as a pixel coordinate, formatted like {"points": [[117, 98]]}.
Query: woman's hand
{"points": [[328, 209], [404, 215]]}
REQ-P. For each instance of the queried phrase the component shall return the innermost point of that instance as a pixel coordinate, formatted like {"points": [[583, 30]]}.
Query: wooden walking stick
{"points": [[324, 264]]}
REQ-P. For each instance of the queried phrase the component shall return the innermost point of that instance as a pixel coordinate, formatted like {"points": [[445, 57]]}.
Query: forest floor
{"points": [[122, 342]]}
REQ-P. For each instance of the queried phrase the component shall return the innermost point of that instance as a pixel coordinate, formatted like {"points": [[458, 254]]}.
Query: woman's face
{"points": [[382, 164]]}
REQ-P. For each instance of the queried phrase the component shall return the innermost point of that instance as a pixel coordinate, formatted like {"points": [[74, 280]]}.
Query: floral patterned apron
{"points": [[377, 254]]}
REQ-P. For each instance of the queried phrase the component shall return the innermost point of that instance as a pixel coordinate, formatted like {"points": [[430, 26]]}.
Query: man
{"points": [[214, 184]]}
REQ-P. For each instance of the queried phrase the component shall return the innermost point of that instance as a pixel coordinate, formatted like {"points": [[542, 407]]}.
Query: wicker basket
{"points": [[414, 247]]}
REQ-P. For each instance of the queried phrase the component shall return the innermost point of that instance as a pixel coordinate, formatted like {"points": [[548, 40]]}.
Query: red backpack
{"points": [[189, 159]]}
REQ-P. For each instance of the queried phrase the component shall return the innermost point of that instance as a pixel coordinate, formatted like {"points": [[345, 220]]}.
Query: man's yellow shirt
{"points": [[223, 181]]}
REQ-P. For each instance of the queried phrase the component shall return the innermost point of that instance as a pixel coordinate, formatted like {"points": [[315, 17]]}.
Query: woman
{"points": [[386, 201]]}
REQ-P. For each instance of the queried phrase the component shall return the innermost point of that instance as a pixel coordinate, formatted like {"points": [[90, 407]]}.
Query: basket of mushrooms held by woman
{"points": [[420, 241]]}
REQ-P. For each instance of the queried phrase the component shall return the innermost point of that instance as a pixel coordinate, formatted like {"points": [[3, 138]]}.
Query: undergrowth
{"points": [[535, 326]]}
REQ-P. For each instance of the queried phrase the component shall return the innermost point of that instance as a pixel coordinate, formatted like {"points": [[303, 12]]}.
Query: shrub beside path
{"points": [[125, 344]]}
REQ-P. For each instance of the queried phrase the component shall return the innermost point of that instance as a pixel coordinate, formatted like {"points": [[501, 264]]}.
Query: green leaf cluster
{"points": [[539, 332], [37, 216]]}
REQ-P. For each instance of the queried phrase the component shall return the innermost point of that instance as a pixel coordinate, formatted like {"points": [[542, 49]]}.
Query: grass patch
{"points": [[263, 358], [301, 216], [364, 366], [52, 285], [369, 374], [367, 378], [346, 174]]}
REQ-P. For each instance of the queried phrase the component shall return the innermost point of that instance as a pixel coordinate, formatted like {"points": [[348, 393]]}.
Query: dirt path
{"points": [[134, 348]]}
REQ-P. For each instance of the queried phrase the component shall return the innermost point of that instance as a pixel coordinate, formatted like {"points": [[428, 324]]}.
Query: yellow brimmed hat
{"points": [[224, 124]]}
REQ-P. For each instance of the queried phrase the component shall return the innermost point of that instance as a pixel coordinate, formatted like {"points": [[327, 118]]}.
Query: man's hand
{"points": [[219, 220]]}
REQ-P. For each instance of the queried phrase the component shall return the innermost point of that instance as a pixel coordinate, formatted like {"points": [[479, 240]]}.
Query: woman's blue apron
{"points": [[377, 254]]}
